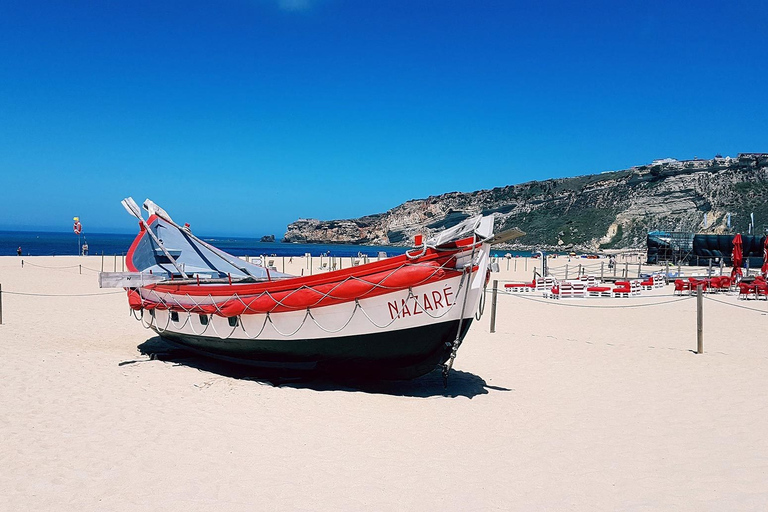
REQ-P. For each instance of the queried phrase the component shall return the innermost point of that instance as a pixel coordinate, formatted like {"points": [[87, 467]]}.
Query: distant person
{"points": [[85, 249], [18, 251]]}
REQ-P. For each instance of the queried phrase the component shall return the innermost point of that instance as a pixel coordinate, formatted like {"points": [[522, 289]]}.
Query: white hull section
{"points": [[442, 301]]}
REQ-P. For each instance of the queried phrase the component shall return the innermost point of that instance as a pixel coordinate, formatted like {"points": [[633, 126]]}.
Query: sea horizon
{"points": [[60, 243]]}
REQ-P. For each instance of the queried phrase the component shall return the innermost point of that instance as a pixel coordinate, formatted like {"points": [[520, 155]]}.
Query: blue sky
{"points": [[241, 116]]}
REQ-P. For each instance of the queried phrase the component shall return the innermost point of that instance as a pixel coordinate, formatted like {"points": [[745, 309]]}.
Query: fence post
{"points": [[526, 265], [493, 304], [566, 271], [639, 270], [626, 270], [81, 269], [579, 270], [699, 320], [102, 261], [602, 270], [115, 265], [1, 304]]}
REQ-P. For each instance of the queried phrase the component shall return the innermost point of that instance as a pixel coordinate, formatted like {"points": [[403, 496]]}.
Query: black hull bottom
{"points": [[403, 354]]}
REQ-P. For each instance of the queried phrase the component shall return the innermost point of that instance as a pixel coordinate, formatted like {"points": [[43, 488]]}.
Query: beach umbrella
{"points": [[736, 255], [764, 269]]}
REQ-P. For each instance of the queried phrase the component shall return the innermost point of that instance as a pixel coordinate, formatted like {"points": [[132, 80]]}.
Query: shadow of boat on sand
{"points": [[460, 383]]}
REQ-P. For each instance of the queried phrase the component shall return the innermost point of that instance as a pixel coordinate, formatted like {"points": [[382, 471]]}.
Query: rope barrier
{"points": [[623, 306], [63, 294], [27, 263], [763, 311]]}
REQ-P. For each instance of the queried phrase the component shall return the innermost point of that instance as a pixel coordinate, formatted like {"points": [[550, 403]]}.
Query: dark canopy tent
{"points": [[709, 247]]}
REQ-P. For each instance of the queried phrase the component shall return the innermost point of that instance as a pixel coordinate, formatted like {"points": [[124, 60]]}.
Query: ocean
{"points": [[39, 243], [36, 243]]}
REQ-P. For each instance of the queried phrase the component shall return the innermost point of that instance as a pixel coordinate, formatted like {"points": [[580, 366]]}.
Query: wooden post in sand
{"points": [[493, 304], [1, 304], [115, 265], [602, 270], [81, 269], [102, 261], [699, 320], [566, 271]]}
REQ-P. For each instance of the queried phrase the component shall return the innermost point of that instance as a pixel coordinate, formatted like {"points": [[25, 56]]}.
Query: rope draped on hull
{"points": [[248, 299]]}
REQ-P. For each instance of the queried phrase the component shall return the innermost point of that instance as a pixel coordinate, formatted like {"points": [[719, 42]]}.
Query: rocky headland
{"points": [[610, 210]]}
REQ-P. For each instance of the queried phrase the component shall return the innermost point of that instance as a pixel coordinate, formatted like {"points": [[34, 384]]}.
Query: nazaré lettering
{"points": [[439, 299], [417, 308], [447, 292], [406, 311], [393, 306], [427, 303]]}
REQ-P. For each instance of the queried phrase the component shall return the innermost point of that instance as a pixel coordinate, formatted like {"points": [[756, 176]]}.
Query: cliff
{"points": [[611, 210]]}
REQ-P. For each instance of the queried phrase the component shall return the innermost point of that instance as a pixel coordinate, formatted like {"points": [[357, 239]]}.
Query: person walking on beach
{"points": [[18, 251], [85, 249]]}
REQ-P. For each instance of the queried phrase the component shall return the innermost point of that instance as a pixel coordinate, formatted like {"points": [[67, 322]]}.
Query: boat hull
{"points": [[399, 354], [399, 335]]}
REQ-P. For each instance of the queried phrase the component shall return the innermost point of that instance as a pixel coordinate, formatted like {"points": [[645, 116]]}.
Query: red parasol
{"points": [[736, 256], [764, 269]]}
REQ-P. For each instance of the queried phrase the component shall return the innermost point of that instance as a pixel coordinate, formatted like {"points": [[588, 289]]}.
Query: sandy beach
{"points": [[588, 404]]}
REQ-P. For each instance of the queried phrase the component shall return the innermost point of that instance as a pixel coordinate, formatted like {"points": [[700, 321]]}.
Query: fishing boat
{"points": [[395, 318]]}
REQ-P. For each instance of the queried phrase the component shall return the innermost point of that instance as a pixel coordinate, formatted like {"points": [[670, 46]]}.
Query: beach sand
{"points": [[570, 405]]}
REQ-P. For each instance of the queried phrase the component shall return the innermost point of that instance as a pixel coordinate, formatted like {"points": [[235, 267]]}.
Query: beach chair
{"points": [[747, 289], [572, 290], [761, 287], [599, 291], [627, 289], [552, 293], [544, 284], [647, 284], [696, 282], [682, 286], [520, 287]]}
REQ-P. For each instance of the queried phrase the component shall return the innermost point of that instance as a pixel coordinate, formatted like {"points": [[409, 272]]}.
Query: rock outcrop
{"points": [[599, 211]]}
